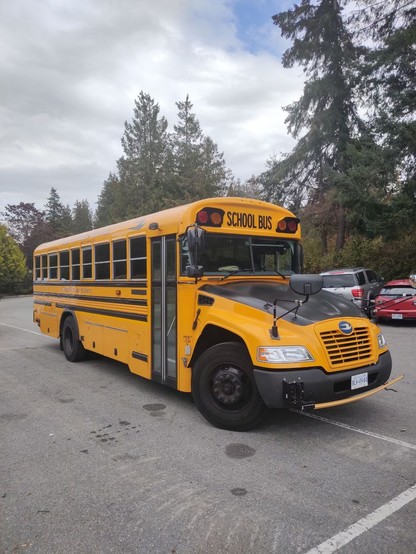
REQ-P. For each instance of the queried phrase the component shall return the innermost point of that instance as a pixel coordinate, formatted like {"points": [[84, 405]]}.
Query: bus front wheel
{"points": [[73, 348], [224, 389]]}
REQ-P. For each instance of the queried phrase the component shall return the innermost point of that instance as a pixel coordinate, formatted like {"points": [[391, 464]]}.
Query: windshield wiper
{"points": [[234, 271]]}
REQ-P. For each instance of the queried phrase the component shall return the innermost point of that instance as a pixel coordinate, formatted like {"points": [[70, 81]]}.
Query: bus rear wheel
{"points": [[224, 389], [73, 348]]}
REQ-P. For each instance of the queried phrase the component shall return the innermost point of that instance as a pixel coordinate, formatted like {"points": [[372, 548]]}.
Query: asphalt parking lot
{"points": [[94, 459]]}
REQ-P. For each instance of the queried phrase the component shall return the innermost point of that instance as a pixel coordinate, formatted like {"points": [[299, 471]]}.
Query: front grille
{"points": [[347, 349]]}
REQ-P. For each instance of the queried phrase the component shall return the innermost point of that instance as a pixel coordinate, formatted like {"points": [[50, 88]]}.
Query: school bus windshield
{"points": [[222, 254]]}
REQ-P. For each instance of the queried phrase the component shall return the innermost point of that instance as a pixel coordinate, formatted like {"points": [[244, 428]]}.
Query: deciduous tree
{"points": [[12, 262]]}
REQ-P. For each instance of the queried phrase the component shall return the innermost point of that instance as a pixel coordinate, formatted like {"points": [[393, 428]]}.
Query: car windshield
{"points": [[338, 280], [225, 254], [399, 290]]}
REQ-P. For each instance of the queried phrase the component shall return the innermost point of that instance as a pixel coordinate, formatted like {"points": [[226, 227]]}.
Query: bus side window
{"points": [[64, 265], [53, 266], [75, 264], [102, 261], [44, 266], [37, 268], [138, 258], [87, 262], [120, 259]]}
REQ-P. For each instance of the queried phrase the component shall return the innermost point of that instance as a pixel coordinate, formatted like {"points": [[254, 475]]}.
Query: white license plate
{"points": [[359, 381], [397, 316]]}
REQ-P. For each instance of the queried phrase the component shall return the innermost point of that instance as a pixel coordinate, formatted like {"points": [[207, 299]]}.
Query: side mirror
{"points": [[306, 284], [195, 237]]}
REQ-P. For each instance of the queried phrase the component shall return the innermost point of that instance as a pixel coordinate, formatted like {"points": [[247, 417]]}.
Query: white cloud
{"points": [[71, 72]]}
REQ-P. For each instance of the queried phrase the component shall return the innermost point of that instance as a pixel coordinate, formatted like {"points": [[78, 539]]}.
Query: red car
{"points": [[397, 300]]}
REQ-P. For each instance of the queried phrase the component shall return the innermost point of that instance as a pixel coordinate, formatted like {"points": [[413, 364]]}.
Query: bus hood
{"points": [[262, 295]]}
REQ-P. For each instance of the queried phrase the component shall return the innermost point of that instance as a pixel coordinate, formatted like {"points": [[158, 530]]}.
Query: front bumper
{"points": [[308, 388]]}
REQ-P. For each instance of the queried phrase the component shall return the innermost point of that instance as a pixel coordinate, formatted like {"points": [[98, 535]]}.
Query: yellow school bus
{"points": [[209, 298]]}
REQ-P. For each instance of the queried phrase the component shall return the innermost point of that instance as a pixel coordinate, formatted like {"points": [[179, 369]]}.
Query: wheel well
{"points": [[64, 316], [210, 336]]}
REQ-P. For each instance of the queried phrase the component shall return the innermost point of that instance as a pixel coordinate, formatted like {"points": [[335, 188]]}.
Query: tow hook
{"points": [[293, 392]]}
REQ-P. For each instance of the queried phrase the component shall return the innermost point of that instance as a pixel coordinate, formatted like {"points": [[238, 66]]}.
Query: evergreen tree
{"points": [[81, 217], [159, 170], [252, 188], [200, 169], [111, 205], [57, 215], [325, 118], [142, 170], [390, 79]]}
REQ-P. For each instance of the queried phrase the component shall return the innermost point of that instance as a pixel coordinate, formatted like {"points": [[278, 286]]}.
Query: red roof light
{"points": [[287, 225]]}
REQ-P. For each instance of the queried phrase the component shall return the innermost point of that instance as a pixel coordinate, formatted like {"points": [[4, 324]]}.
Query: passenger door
{"points": [[164, 307]]}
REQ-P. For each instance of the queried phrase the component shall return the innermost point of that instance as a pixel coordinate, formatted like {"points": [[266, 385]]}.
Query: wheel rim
{"points": [[231, 389]]}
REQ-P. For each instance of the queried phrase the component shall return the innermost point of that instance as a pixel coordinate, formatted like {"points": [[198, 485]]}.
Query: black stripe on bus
{"points": [[139, 356], [42, 303], [111, 313], [94, 298], [139, 292], [116, 284]]}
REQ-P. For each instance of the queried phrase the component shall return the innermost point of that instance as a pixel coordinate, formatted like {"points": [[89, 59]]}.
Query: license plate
{"points": [[359, 381], [397, 316]]}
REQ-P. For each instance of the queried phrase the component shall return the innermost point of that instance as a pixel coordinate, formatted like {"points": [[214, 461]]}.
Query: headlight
{"points": [[283, 354], [381, 340]]}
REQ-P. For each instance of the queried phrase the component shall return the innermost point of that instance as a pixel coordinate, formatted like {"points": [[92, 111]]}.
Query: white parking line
{"points": [[26, 330], [357, 430], [356, 529]]}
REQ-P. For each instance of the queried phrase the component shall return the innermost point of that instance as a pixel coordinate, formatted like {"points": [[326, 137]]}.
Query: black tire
{"points": [[73, 348], [224, 389]]}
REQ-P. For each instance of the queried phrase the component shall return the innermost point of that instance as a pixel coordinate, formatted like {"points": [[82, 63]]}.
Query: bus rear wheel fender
{"points": [[72, 346], [224, 389]]}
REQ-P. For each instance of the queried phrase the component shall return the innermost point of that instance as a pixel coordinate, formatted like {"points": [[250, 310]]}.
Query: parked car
{"points": [[397, 300], [357, 284]]}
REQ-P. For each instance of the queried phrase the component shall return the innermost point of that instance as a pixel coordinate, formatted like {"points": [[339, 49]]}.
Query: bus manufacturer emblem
{"points": [[345, 327]]}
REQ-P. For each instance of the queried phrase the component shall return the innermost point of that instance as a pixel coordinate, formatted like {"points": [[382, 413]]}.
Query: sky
{"points": [[71, 70]]}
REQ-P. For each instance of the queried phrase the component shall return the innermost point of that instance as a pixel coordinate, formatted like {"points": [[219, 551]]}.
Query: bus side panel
{"points": [[48, 320], [116, 343], [91, 331], [139, 350]]}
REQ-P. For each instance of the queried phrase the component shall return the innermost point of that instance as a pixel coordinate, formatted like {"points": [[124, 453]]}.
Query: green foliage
{"points": [[392, 259], [21, 219], [159, 169], [251, 188], [12, 262], [81, 217], [58, 216], [199, 168], [351, 177], [27, 225], [324, 118]]}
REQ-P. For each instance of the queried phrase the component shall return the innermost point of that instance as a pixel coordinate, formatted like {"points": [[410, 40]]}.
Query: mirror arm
{"points": [[274, 332]]}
